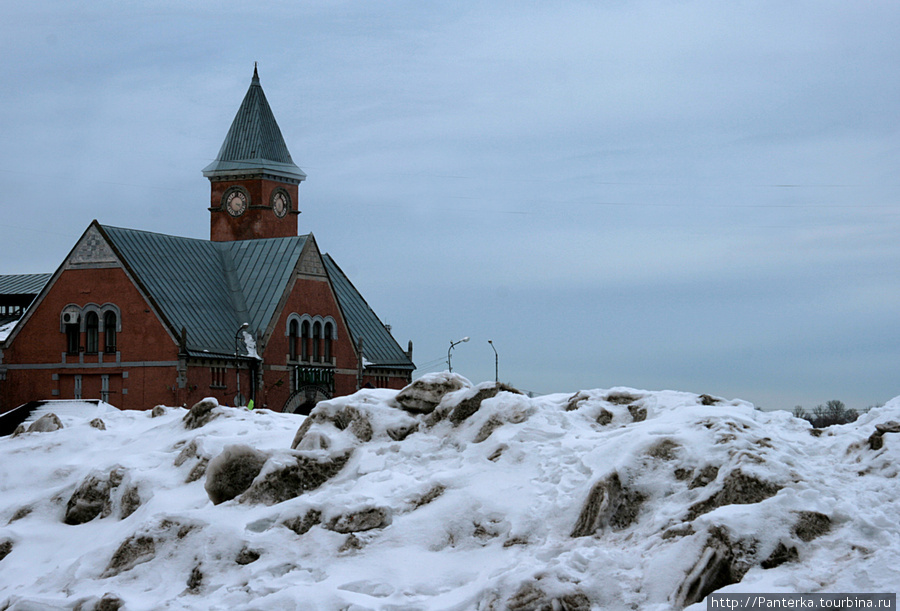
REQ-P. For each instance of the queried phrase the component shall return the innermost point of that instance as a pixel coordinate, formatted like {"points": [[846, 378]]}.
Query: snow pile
{"points": [[446, 496]]}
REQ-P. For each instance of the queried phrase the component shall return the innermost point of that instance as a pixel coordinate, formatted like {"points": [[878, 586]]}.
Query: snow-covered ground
{"points": [[606, 499]]}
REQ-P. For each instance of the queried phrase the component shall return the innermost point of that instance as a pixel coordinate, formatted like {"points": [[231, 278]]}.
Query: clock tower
{"points": [[253, 180]]}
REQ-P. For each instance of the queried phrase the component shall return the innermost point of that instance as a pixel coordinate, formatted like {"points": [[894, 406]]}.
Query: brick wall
{"points": [[39, 368], [259, 221]]}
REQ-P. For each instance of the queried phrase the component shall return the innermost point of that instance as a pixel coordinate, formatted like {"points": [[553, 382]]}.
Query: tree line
{"points": [[832, 412]]}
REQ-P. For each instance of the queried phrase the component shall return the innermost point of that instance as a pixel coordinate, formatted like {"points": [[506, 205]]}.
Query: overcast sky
{"points": [[700, 196]]}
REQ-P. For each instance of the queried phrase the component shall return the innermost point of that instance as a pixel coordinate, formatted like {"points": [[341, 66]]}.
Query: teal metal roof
{"points": [[212, 288], [209, 288], [263, 269], [379, 346], [23, 284], [254, 142]]}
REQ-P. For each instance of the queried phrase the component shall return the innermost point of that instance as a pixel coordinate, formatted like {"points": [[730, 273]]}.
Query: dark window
{"points": [[328, 334], [91, 333], [109, 333], [73, 339], [293, 332], [316, 338], [304, 341]]}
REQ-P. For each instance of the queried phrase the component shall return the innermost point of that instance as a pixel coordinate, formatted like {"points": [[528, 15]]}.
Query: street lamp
{"points": [[237, 363], [496, 363], [452, 344]]}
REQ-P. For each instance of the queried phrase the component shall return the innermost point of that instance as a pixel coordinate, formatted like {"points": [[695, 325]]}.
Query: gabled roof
{"points": [[379, 346], [23, 284], [209, 288], [254, 143], [212, 288]]}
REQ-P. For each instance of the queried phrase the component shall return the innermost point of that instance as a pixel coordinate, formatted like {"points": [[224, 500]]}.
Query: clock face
{"points": [[235, 202], [280, 203]]}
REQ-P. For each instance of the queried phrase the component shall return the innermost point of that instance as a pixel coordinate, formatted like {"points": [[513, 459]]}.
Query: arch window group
{"points": [[91, 329], [311, 338]]}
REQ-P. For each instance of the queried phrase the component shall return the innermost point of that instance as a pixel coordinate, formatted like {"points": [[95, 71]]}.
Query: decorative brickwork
{"points": [[311, 260], [92, 251]]}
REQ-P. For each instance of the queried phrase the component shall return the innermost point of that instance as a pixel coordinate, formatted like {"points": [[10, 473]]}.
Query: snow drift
{"points": [[446, 496]]}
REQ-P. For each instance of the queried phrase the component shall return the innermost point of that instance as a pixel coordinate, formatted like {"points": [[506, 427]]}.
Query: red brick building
{"points": [[256, 312]]}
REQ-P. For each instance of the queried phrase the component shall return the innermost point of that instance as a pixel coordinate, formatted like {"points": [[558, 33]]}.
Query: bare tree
{"points": [[832, 412]]}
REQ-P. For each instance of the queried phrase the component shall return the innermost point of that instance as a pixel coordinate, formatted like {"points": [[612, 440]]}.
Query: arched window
{"points": [[91, 333], [73, 338], [317, 336], [109, 332], [329, 332], [293, 333], [304, 341]]}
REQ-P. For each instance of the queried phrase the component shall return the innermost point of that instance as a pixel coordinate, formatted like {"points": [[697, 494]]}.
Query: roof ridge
{"points": [[262, 269], [222, 245], [167, 235], [235, 290]]}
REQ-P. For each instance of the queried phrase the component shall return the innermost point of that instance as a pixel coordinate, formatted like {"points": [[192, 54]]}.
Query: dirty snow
{"points": [[428, 514]]}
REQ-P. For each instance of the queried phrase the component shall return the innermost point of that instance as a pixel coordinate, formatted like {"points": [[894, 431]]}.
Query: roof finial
{"points": [[255, 74]]}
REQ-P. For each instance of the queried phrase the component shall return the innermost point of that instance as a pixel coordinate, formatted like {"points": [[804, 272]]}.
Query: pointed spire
{"points": [[254, 143]]}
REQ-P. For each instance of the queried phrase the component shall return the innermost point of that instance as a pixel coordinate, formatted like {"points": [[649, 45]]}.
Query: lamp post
{"points": [[237, 363], [452, 344], [496, 363]]}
